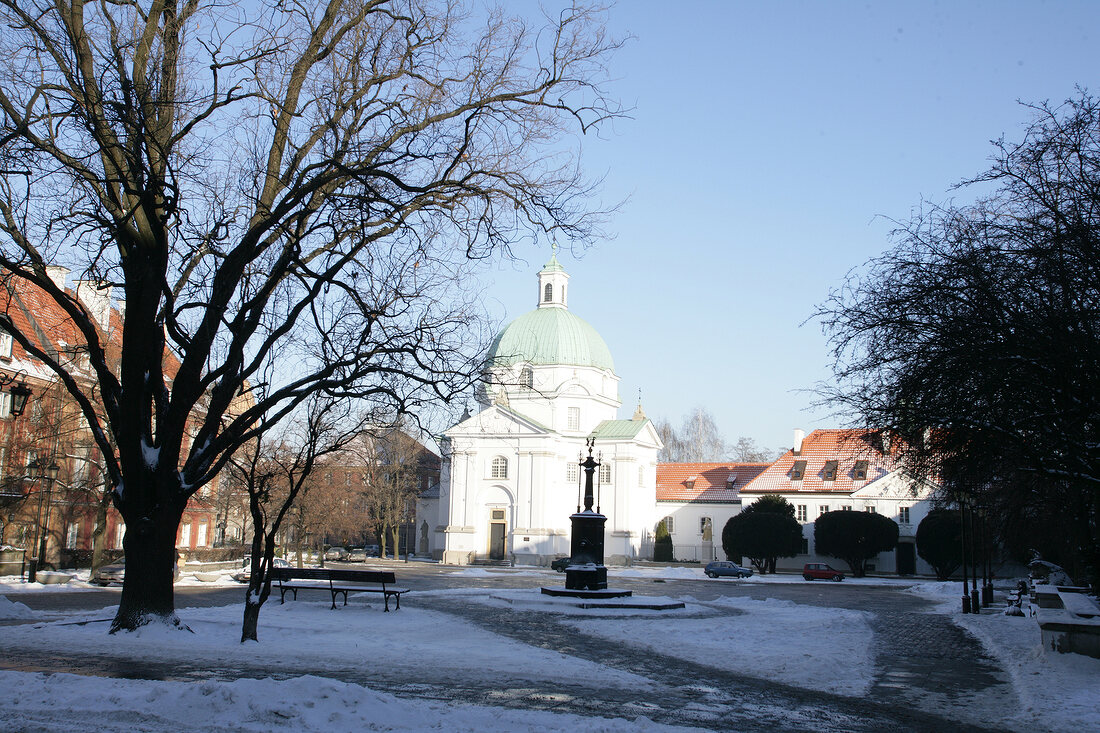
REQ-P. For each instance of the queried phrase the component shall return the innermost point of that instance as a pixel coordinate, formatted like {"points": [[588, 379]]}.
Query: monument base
{"points": [[586, 577], [590, 594]]}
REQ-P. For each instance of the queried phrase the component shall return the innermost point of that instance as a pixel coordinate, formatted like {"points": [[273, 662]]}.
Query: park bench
{"points": [[336, 582]]}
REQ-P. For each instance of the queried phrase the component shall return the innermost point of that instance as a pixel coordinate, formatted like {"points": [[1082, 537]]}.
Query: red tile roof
{"points": [[846, 447], [704, 482]]}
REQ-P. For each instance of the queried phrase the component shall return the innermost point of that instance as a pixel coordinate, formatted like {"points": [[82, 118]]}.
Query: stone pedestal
{"points": [[586, 571]]}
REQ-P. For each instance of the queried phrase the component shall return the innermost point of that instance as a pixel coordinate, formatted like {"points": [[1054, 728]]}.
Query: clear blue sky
{"points": [[769, 147]]}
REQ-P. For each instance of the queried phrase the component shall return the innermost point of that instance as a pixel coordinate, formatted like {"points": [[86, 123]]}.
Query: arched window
{"points": [[499, 467], [527, 378], [548, 293]]}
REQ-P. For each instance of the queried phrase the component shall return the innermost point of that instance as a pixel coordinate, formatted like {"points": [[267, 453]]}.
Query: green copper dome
{"points": [[550, 336]]}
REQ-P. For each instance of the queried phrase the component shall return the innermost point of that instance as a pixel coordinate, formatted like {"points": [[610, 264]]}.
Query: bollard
{"points": [[975, 602], [966, 604]]}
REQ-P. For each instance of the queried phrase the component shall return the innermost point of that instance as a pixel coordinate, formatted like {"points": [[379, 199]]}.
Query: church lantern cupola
{"points": [[552, 283]]}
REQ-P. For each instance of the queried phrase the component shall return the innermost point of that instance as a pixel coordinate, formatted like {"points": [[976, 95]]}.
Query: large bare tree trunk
{"points": [[150, 545]]}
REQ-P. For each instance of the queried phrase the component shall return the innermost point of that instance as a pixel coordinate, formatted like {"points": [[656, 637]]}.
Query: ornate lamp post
{"points": [[586, 575], [49, 474]]}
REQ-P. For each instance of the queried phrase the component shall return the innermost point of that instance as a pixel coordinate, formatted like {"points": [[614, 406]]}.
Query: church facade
{"points": [[510, 476]]}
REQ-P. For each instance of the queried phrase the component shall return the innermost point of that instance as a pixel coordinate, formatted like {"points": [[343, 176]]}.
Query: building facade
{"points": [[830, 470]]}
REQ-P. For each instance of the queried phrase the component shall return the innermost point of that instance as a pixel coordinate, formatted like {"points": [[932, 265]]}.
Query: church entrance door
{"points": [[496, 540]]}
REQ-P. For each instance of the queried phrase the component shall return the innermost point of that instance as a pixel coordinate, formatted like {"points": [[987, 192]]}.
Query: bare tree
{"points": [[285, 194], [697, 441], [276, 476], [745, 450]]}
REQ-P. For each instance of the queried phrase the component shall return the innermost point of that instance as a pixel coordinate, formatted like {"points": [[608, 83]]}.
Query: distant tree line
{"points": [[699, 440]]}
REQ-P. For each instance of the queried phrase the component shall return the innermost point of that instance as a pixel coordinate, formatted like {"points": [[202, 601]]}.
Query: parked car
{"points": [[115, 573], [245, 573], [718, 569], [336, 553], [821, 571], [561, 564], [373, 550], [357, 554]]}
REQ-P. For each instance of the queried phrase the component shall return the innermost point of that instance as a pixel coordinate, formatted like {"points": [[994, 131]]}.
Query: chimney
{"points": [[798, 436], [97, 299], [58, 274]]}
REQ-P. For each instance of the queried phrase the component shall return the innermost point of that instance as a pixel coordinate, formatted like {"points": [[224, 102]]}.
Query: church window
{"points": [[548, 293], [823, 509], [572, 472], [605, 473], [527, 378], [5, 345], [499, 468], [641, 475], [667, 522], [903, 515], [869, 509], [802, 512], [71, 536], [573, 418]]}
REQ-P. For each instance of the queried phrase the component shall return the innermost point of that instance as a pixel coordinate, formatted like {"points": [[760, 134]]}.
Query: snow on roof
{"points": [[831, 460]]}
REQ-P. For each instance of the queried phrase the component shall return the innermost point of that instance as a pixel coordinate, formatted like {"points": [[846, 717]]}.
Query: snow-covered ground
{"points": [[771, 639]]}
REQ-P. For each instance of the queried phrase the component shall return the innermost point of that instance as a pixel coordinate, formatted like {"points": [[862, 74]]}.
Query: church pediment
{"points": [[498, 420]]}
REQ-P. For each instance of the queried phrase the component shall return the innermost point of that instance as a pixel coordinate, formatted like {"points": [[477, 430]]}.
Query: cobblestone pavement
{"points": [[930, 674]]}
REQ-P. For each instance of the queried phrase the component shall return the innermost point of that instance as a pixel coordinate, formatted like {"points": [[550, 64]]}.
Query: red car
{"points": [[821, 571]]}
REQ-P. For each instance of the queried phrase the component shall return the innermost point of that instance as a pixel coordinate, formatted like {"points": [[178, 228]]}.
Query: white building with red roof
{"points": [[510, 477], [830, 470], [695, 500]]}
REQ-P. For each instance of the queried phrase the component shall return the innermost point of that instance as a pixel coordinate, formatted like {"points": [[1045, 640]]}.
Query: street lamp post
{"points": [[42, 524]]}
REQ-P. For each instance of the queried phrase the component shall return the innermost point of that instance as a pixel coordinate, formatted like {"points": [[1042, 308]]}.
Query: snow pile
{"points": [[780, 640], [12, 609], [63, 701]]}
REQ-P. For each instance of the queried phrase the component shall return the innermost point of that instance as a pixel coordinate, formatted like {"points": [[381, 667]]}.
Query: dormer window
{"points": [[548, 293], [798, 470], [830, 470], [690, 483], [730, 481], [860, 471]]}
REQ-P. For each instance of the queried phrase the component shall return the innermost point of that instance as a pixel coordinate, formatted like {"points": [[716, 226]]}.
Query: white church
{"points": [[510, 476]]}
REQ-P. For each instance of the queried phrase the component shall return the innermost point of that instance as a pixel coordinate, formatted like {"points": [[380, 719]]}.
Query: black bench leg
{"points": [[334, 599], [386, 597]]}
